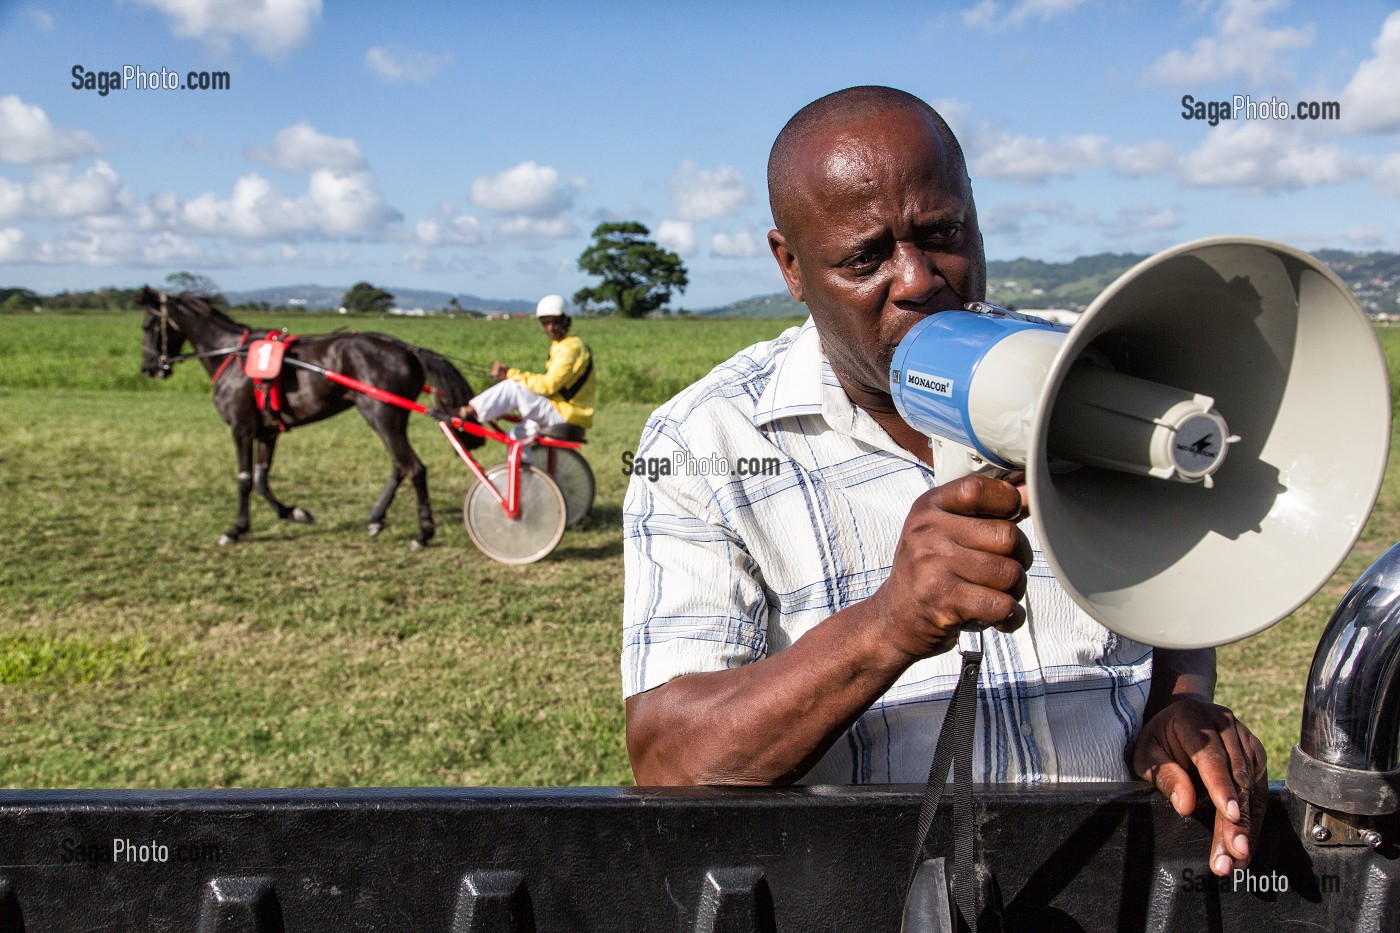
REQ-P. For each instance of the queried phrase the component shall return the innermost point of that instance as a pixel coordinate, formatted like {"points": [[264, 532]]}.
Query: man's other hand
{"points": [[960, 560], [1193, 740]]}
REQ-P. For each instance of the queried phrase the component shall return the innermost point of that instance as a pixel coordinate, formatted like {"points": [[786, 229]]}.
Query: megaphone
{"points": [[1202, 448]]}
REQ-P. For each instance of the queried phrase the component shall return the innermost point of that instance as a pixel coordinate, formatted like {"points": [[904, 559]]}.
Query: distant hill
{"points": [[1029, 283], [327, 298], [778, 304], [1025, 284], [1034, 283]]}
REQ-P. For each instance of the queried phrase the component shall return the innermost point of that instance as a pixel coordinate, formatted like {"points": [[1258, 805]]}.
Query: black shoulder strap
{"points": [[568, 393], [953, 748]]}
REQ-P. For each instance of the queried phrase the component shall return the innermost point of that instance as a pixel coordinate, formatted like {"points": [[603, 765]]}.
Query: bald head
{"points": [[843, 108]]}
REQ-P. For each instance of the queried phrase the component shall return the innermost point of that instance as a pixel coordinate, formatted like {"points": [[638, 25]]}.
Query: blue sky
{"points": [[471, 147]]}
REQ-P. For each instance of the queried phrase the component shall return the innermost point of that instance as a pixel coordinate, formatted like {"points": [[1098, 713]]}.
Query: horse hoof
{"points": [[225, 540], [375, 528], [302, 516], [416, 545]]}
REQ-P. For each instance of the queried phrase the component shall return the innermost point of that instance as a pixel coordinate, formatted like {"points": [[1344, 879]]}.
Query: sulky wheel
{"points": [[526, 539], [567, 467]]}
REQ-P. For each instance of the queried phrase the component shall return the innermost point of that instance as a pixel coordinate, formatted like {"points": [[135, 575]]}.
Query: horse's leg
{"points": [[267, 445], [243, 444], [391, 424], [381, 505]]}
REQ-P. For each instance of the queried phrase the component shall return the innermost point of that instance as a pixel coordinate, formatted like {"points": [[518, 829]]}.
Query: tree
{"points": [[364, 297], [638, 275], [16, 302], [195, 284]]}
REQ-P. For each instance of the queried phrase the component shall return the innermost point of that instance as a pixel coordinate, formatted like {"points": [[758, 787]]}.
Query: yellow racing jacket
{"points": [[568, 380]]}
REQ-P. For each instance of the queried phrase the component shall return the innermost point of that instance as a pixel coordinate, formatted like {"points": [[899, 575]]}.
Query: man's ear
{"points": [[787, 263]]}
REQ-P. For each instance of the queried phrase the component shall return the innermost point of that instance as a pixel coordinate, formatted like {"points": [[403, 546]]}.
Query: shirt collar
{"points": [[803, 383], [796, 386]]}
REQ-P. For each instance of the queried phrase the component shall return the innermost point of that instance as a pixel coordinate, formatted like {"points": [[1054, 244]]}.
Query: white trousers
{"points": [[507, 396]]}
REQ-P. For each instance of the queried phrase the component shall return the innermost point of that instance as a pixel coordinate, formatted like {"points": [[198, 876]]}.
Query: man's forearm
{"points": [[768, 722], [1177, 673]]}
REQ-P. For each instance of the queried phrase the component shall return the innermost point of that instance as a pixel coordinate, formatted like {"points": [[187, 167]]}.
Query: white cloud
{"points": [[1359, 237], [1267, 157], [1242, 46], [958, 116], [27, 136], [742, 245], [1371, 101], [272, 28], [981, 16], [54, 193], [170, 249], [448, 228], [705, 194], [335, 204], [528, 190], [348, 204], [300, 147], [678, 236], [1387, 175], [116, 246], [39, 19], [428, 262], [342, 197], [1012, 219], [522, 227], [548, 270], [12, 245], [13, 202], [1032, 160], [125, 248], [1146, 159], [1138, 219], [253, 210], [404, 64], [988, 14]]}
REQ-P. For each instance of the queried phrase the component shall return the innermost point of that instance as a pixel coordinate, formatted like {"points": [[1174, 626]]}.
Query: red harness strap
{"points": [[267, 392], [214, 380]]}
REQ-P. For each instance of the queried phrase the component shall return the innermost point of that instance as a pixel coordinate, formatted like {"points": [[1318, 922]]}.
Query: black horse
{"points": [[220, 343]]}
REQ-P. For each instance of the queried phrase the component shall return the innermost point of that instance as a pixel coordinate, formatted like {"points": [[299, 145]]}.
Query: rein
{"points": [[475, 369], [167, 362]]}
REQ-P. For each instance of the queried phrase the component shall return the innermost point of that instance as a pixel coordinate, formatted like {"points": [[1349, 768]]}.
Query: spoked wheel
{"points": [[567, 467], [526, 539]]}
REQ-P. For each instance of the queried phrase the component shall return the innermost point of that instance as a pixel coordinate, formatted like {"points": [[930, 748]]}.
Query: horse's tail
{"points": [[452, 389]]}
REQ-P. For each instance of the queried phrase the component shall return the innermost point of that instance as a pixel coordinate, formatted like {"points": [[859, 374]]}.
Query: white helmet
{"points": [[552, 306]]}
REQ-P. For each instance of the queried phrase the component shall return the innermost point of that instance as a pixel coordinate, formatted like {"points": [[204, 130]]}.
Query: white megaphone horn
{"points": [[1202, 448]]}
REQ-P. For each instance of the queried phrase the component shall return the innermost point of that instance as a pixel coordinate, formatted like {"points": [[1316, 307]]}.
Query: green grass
{"points": [[134, 652], [638, 361]]}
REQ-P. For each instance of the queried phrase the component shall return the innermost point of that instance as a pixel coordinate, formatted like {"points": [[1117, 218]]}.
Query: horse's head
{"points": [[468, 439], [161, 339]]}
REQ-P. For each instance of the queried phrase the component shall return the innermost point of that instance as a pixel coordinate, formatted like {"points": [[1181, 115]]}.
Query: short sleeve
{"points": [[693, 601]]}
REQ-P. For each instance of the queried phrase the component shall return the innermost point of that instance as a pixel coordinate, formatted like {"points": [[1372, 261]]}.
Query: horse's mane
{"points": [[202, 306]]}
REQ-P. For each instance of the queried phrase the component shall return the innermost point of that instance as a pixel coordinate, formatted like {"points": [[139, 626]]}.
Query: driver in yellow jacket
{"points": [[563, 394]]}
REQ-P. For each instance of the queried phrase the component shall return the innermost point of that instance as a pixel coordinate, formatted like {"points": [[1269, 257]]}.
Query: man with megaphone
{"points": [[800, 626]]}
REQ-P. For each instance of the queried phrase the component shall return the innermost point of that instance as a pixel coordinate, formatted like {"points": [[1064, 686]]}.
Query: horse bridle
{"points": [[167, 365], [166, 361]]}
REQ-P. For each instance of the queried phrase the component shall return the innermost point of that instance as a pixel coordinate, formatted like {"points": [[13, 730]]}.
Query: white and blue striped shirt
{"points": [[723, 569]]}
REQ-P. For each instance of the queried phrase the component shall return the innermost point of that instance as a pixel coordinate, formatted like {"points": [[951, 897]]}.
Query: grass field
{"points": [[136, 653]]}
